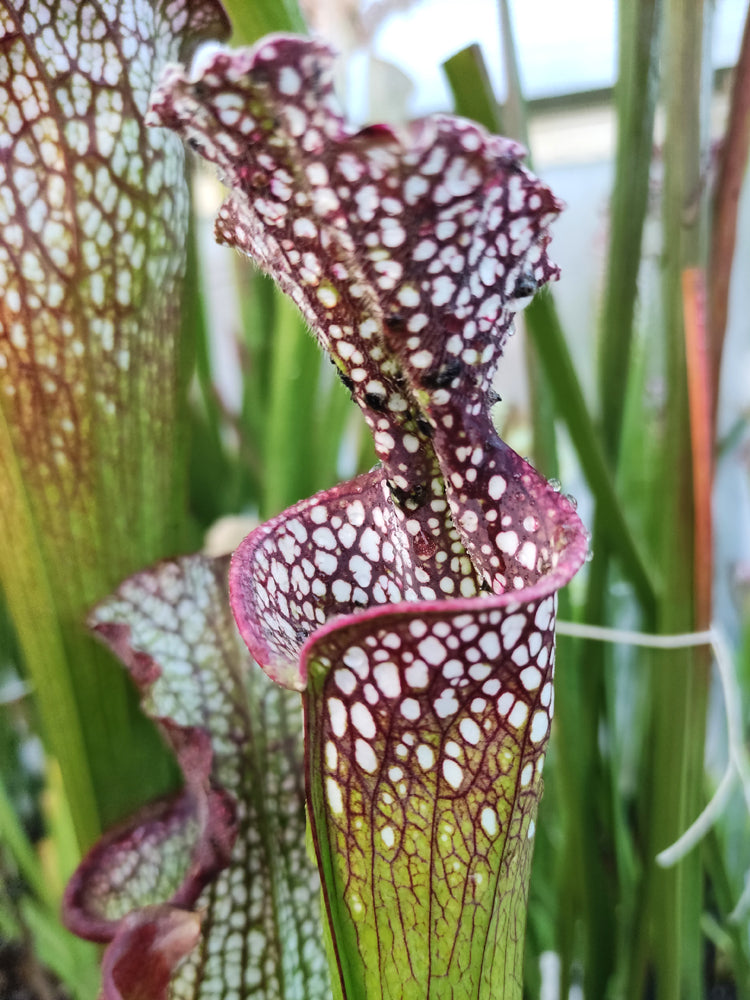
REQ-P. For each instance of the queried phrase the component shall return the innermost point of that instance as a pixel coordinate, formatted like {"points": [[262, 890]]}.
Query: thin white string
{"points": [[738, 763]]}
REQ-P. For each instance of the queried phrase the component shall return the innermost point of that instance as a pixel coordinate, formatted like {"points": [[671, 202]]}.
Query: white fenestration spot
{"points": [[511, 629], [369, 545], [535, 643], [519, 714], [446, 704], [387, 836], [317, 173], [507, 541], [305, 229], [480, 671], [387, 678], [539, 727], [526, 775], [531, 678], [328, 296], [488, 819], [490, 645], [435, 161], [289, 81], [425, 756], [365, 756], [520, 655], [362, 719], [417, 628], [497, 486], [410, 709], [505, 703], [347, 535], [361, 570], [408, 296], [356, 513], [332, 755], [337, 714], [453, 669], [342, 591], [443, 288], [345, 680], [422, 359], [326, 562], [318, 515], [414, 188], [367, 202], [432, 650], [527, 555], [416, 676], [356, 658], [544, 614], [393, 235], [335, 798], [453, 773], [470, 731], [324, 539]]}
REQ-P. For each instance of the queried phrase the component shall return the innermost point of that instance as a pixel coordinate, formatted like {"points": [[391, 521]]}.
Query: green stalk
{"points": [[516, 125], [636, 93], [544, 326], [679, 686], [470, 85], [251, 19], [293, 386]]}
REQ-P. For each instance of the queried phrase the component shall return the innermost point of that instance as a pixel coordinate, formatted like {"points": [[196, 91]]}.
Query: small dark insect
{"points": [[414, 498], [345, 380], [425, 426], [375, 401], [396, 322], [525, 286], [442, 377]]}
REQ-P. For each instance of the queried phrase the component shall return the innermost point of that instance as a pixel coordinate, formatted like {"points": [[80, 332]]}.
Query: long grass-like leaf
{"points": [[470, 85], [251, 20], [679, 687]]}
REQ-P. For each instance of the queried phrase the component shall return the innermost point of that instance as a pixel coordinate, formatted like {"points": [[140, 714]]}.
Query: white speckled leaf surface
{"points": [[93, 221], [231, 848]]}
